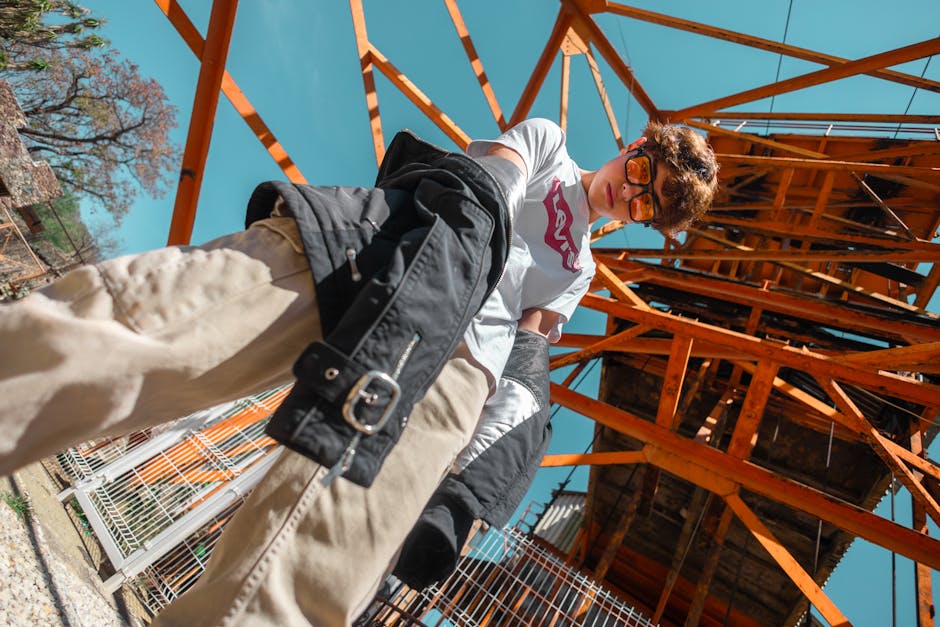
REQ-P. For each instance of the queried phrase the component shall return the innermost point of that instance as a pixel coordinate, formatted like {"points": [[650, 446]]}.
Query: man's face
{"points": [[627, 188]]}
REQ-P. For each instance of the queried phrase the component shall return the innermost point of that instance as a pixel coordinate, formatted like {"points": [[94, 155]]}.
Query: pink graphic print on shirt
{"points": [[558, 234]]}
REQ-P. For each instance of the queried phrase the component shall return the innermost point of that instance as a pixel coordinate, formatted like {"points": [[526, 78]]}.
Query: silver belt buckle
{"points": [[359, 394]]}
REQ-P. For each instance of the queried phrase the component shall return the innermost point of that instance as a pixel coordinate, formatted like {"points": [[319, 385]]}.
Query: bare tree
{"points": [[103, 128]]}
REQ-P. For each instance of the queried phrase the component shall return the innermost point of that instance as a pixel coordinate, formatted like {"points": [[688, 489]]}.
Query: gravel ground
{"points": [[46, 577]]}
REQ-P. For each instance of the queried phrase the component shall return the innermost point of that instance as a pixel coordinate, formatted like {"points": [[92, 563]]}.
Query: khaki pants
{"points": [[138, 340]]}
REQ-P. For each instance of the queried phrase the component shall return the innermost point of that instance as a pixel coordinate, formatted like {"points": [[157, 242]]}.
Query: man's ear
{"points": [[636, 143]]}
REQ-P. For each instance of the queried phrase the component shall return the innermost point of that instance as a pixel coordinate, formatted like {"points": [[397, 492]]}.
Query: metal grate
{"points": [[506, 578], [157, 500], [174, 573]]}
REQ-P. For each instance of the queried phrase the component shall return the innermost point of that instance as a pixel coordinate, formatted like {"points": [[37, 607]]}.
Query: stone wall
{"points": [[24, 262]]}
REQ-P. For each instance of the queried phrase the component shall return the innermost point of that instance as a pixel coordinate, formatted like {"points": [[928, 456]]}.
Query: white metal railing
{"points": [[157, 500], [507, 578]]}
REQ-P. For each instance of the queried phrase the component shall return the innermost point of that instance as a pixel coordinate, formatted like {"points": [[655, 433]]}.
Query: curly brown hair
{"points": [[693, 174]]}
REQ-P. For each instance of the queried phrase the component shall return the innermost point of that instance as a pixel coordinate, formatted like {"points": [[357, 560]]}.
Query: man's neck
{"points": [[586, 177]]}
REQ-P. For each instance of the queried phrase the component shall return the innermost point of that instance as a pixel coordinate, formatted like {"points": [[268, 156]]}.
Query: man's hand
{"points": [[539, 321]]}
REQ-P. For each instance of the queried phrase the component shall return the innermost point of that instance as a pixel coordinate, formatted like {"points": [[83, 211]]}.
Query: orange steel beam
{"points": [[918, 358], [722, 474], [707, 431], [915, 149], [475, 63], [419, 99], [889, 118], [620, 531], [813, 363], [594, 459], [916, 183], [694, 513], [185, 28], [368, 78], [922, 577], [205, 103], [606, 229], [903, 255], [756, 139], [588, 29], [744, 436], [800, 306], [843, 70], [709, 568], [859, 429], [922, 582], [829, 164], [762, 44], [605, 100], [672, 382], [791, 567], [598, 345], [617, 289], [577, 370], [926, 291], [822, 201], [797, 231], [542, 66], [877, 443], [848, 286], [873, 195]]}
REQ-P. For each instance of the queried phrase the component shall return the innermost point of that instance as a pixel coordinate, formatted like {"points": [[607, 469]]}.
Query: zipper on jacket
{"points": [[400, 365], [405, 355], [345, 461], [351, 256]]}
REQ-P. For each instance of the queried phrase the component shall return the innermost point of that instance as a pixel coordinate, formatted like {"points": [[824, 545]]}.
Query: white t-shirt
{"points": [[550, 264]]}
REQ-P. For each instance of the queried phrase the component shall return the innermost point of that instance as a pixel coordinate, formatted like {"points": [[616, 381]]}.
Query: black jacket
{"points": [[491, 486], [435, 229]]}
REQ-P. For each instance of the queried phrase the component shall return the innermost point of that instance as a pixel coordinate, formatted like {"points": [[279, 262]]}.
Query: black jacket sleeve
{"points": [[492, 474]]}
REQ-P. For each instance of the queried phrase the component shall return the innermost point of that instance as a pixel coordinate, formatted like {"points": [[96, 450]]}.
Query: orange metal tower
{"points": [[766, 380]]}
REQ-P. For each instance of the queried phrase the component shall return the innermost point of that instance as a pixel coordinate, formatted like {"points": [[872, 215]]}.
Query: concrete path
{"points": [[46, 576]]}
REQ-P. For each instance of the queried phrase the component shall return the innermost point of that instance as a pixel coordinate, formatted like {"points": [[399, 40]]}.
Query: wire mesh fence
{"points": [[506, 578], [157, 500]]}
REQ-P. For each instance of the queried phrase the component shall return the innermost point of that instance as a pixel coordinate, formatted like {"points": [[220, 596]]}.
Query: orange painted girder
{"points": [[594, 459], [676, 369], [230, 89], [542, 66], [813, 363], [889, 118], [744, 436], [881, 169], [790, 566], [762, 44], [368, 80], [590, 31], [844, 70], [418, 98], [723, 474], [900, 255], [475, 63], [205, 103], [800, 306]]}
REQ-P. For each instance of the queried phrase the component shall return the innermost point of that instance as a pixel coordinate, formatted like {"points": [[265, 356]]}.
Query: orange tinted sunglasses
{"points": [[643, 205]]}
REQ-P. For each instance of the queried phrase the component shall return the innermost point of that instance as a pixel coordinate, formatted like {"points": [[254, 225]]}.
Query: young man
{"points": [[379, 285], [664, 179]]}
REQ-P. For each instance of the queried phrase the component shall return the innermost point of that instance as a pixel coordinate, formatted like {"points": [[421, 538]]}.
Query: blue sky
{"points": [[296, 61]]}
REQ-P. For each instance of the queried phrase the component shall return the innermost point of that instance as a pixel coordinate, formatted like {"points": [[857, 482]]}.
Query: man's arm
{"points": [[507, 153], [540, 321]]}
